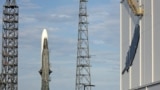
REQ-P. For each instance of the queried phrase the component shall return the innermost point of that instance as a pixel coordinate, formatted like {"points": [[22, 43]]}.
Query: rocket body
{"points": [[45, 70]]}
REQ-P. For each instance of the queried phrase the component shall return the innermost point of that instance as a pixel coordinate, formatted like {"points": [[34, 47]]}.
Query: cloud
{"points": [[27, 19], [27, 5], [54, 18], [104, 25], [98, 42]]}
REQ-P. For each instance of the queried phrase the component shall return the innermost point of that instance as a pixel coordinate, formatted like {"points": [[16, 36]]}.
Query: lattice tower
{"points": [[9, 74], [83, 76]]}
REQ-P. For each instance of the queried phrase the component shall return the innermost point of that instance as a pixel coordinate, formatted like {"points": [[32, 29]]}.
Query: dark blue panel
{"points": [[132, 49]]}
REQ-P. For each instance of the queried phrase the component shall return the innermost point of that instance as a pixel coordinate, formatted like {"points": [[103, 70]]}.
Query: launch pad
{"points": [[9, 74]]}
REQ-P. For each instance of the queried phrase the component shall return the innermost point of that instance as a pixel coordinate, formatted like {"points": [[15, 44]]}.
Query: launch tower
{"points": [[9, 74], [83, 76]]}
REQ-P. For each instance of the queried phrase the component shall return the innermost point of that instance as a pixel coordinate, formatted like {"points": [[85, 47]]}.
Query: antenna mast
{"points": [[83, 76]]}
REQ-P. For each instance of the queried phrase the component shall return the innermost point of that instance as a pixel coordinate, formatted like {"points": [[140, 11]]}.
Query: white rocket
{"points": [[45, 70]]}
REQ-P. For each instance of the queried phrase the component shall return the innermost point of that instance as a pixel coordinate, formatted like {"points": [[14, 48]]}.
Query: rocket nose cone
{"points": [[44, 36]]}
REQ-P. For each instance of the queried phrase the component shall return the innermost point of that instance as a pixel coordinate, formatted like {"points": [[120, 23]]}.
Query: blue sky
{"points": [[60, 18]]}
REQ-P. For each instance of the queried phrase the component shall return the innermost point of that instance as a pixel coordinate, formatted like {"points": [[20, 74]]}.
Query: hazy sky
{"points": [[60, 18]]}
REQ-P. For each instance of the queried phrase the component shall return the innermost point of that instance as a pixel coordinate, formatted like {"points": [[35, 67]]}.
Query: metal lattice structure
{"points": [[83, 76], [9, 74]]}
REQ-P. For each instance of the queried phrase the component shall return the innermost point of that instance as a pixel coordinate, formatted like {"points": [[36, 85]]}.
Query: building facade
{"points": [[140, 62]]}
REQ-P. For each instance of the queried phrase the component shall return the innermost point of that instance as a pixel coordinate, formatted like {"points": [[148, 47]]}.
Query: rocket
{"points": [[45, 70]]}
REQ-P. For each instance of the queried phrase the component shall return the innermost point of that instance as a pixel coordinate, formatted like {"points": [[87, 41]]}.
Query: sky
{"points": [[60, 18]]}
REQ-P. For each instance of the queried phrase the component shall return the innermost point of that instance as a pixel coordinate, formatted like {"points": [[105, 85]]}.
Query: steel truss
{"points": [[9, 75], [83, 76]]}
